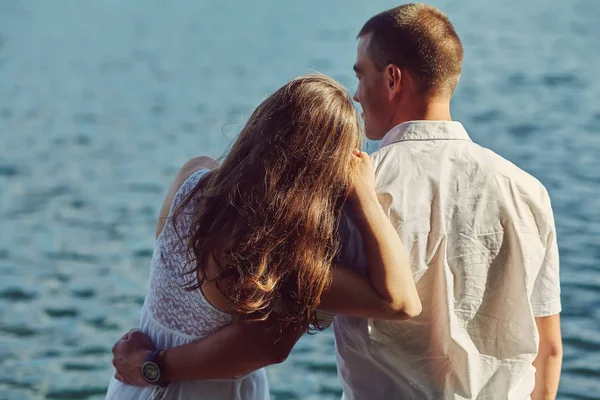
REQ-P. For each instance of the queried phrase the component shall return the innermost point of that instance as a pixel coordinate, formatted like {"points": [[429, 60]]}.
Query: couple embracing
{"points": [[437, 257]]}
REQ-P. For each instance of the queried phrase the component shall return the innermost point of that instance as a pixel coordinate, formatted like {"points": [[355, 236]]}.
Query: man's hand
{"points": [[129, 354]]}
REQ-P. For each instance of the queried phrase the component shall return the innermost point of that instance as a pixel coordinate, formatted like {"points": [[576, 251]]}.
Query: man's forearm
{"points": [[233, 350], [549, 359], [547, 376]]}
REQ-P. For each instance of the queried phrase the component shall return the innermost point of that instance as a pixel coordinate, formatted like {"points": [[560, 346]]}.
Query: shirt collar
{"points": [[425, 130]]}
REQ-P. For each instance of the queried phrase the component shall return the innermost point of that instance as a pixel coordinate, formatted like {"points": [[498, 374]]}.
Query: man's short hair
{"points": [[420, 38]]}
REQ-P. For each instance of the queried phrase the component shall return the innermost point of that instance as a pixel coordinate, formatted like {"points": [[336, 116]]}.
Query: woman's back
{"points": [[185, 312], [172, 316]]}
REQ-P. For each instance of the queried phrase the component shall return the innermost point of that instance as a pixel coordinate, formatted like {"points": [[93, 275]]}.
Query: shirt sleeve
{"points": [[352, 253], [545, 298]]}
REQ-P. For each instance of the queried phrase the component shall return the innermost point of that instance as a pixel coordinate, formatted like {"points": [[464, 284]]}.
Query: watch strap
{"points": [[153, 357]]}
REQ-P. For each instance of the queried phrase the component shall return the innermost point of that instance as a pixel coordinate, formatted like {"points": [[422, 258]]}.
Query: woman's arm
{"points": [[389, 292]]}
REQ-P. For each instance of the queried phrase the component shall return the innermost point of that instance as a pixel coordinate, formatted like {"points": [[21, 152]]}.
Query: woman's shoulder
{"points": [[193, 168], [190, 168], [194, 165]]}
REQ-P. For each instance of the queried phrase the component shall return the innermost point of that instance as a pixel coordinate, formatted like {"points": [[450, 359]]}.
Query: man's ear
{"points": [[393, 76]]}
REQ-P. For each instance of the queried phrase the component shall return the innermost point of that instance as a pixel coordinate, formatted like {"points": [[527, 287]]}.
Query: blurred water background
{"points": [[102, 101]]}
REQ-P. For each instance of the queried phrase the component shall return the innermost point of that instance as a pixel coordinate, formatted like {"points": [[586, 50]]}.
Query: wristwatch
{"points": [[153, 370]]}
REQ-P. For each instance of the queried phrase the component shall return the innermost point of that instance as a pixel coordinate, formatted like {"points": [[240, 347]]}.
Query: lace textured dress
{"points": [[172, 317]]}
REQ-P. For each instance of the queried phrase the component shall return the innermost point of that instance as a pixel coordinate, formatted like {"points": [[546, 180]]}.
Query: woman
{"points": [[256, 237]]}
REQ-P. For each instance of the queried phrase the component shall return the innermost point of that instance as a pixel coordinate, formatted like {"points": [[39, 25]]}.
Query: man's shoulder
{"points": [[478, 159], [498, 166], [380, 153]]}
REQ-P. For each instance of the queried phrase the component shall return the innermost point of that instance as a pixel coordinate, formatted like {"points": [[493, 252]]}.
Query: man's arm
{"points": [[236, 349], [549, 359], [546, 307]]}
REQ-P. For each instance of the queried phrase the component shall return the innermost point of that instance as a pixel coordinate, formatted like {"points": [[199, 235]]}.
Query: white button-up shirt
{"points": [[482, 243]]}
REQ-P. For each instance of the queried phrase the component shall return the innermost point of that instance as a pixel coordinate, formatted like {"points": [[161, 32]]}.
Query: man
{"points": [[480, 233]]}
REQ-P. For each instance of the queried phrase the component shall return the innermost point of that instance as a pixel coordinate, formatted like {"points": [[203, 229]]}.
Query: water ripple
{"points": [[17, 295]]}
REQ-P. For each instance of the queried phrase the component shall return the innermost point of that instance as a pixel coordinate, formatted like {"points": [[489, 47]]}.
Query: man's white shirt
{"points": [[481, 237]]}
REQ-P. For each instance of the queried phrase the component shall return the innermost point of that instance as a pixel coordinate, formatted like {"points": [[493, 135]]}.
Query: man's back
{"points": [[480, 233]]}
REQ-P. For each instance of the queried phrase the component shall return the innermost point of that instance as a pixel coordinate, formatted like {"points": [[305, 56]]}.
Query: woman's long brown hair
{"points": [[269, 213]]}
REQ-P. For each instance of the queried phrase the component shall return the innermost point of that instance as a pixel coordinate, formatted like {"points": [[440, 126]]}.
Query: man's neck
{"points": [[427, 111]]}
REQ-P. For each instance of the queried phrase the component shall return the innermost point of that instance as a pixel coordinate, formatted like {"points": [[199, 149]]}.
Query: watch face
{"points": [[150, 372]]}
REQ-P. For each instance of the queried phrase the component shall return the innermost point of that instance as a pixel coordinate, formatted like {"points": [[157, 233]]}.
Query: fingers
{"points": [[116, 346], [129, 343], [360, 157], [359, 153], [122, 338], [141, 340], [130, 333], [125, 336]]}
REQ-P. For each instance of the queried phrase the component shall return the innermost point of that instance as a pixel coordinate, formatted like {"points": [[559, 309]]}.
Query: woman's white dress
{"points": [[172, 317]]}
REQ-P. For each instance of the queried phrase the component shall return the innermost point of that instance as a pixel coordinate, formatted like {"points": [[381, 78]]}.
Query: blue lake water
{"points": [[102, 101]]}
